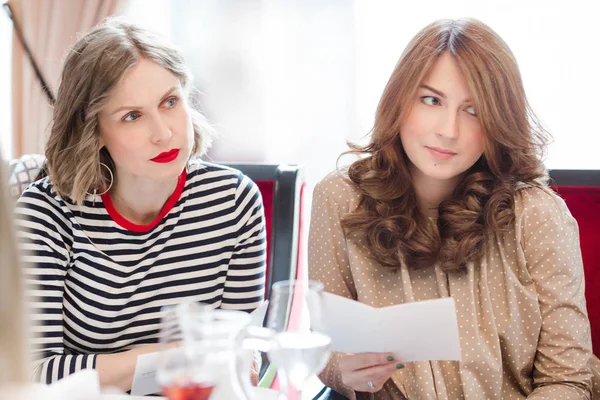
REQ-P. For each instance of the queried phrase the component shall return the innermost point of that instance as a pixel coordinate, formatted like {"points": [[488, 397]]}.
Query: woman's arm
{"points": [[550, 243], [117, 370], [245, 281], [45, 242], [328, 260]]}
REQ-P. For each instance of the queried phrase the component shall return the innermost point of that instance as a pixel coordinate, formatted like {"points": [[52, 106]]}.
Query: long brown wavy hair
{"points": [[483, 202]]}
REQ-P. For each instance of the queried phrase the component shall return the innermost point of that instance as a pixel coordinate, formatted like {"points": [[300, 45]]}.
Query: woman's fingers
{"points": [[376, 375], [354, 362], [367, 372]]}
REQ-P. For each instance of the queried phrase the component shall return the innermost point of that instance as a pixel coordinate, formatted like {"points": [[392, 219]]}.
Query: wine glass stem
{"points": [[287, 390], [292, 393]]}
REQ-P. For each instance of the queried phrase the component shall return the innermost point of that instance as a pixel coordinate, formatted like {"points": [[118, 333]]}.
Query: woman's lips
{"points": [[441, 154], [166, 157]]}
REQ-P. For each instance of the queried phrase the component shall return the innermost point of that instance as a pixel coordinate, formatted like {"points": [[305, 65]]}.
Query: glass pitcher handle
{"points": [[252, 341]]}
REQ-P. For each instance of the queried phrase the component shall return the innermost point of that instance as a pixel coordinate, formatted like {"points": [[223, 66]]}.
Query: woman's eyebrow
{"points": [[439, 93], [164, 96]]}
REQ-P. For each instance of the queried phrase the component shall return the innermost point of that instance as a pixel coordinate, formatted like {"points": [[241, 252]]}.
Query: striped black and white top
{"points": [[98, 281]]}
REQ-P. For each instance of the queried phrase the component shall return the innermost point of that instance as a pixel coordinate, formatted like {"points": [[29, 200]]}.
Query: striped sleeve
{"points": [[45, 240], [245, 281]]}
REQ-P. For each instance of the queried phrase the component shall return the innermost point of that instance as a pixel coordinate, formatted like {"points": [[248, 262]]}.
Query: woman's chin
{"points": [[441, 174]]}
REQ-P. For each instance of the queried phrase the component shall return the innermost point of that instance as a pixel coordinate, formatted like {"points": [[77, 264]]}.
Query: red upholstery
{"points": [[300, 270], [584, 204], [266, 190]]}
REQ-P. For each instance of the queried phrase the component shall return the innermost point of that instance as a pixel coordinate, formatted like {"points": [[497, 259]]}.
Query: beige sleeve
{"points": [[328, 259], [550, 243]]}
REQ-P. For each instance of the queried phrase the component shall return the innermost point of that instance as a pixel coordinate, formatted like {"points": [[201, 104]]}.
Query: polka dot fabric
{"points": [[523, 323]]}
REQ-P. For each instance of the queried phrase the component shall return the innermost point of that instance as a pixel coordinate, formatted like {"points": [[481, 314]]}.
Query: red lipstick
{"points": [[166, 157]]}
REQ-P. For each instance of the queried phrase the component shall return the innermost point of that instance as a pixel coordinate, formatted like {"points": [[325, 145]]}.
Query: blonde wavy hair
{"points": [[13, 337], [92, 69], [483, 203]]}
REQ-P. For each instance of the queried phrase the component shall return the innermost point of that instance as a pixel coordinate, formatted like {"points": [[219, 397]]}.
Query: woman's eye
{"points": [[430, 100], [171, 101], [471, 110], [132, 116]]}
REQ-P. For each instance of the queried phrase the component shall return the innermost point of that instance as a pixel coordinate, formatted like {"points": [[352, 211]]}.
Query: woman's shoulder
{"points": [[202, 175], [539, 202], [199, 167], [41, 191], [41, 203], [337, 187], [204, 172]]}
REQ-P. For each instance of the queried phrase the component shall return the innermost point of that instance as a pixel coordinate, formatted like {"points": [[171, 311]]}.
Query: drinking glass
{"points": [[185, 369], [299, 349]]}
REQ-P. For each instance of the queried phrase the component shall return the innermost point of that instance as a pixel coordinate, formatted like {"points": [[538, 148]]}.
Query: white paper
{"points": [[144, 377], [258, 315], [418, 331]]}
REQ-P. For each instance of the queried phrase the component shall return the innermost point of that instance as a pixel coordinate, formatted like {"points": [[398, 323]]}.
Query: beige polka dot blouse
{"points": [[522, 317]]}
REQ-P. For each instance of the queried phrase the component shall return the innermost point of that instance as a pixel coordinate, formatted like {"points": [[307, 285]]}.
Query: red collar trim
{"points": [[130, 226]]}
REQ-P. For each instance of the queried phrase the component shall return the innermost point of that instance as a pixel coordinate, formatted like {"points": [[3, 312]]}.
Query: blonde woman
{"points": [[449, 199], [127, 221], [13, 339]]}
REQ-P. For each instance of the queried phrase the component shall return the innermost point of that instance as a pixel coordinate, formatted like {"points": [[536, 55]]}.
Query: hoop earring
{"points": [[112, 178]]}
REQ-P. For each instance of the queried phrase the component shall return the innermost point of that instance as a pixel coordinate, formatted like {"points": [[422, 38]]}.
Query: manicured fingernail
{"points": [[399, 366], [390, 358]]}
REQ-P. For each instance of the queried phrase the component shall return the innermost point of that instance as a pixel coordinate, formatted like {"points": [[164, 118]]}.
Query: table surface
{"points": [[263, 394]]}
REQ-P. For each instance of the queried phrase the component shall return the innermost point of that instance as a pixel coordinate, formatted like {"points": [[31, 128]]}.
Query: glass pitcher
{"points": [[208, 353]]}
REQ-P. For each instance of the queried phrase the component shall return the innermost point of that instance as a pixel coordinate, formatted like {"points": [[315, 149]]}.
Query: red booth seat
{"points": [[581, 191]]}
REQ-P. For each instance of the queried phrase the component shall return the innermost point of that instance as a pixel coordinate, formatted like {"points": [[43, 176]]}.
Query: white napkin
{"points": [[82, 385]]}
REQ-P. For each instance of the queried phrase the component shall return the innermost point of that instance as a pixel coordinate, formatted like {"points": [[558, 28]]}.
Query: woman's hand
{"points": [[254, 373], [116, 370], [367, 372]]}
